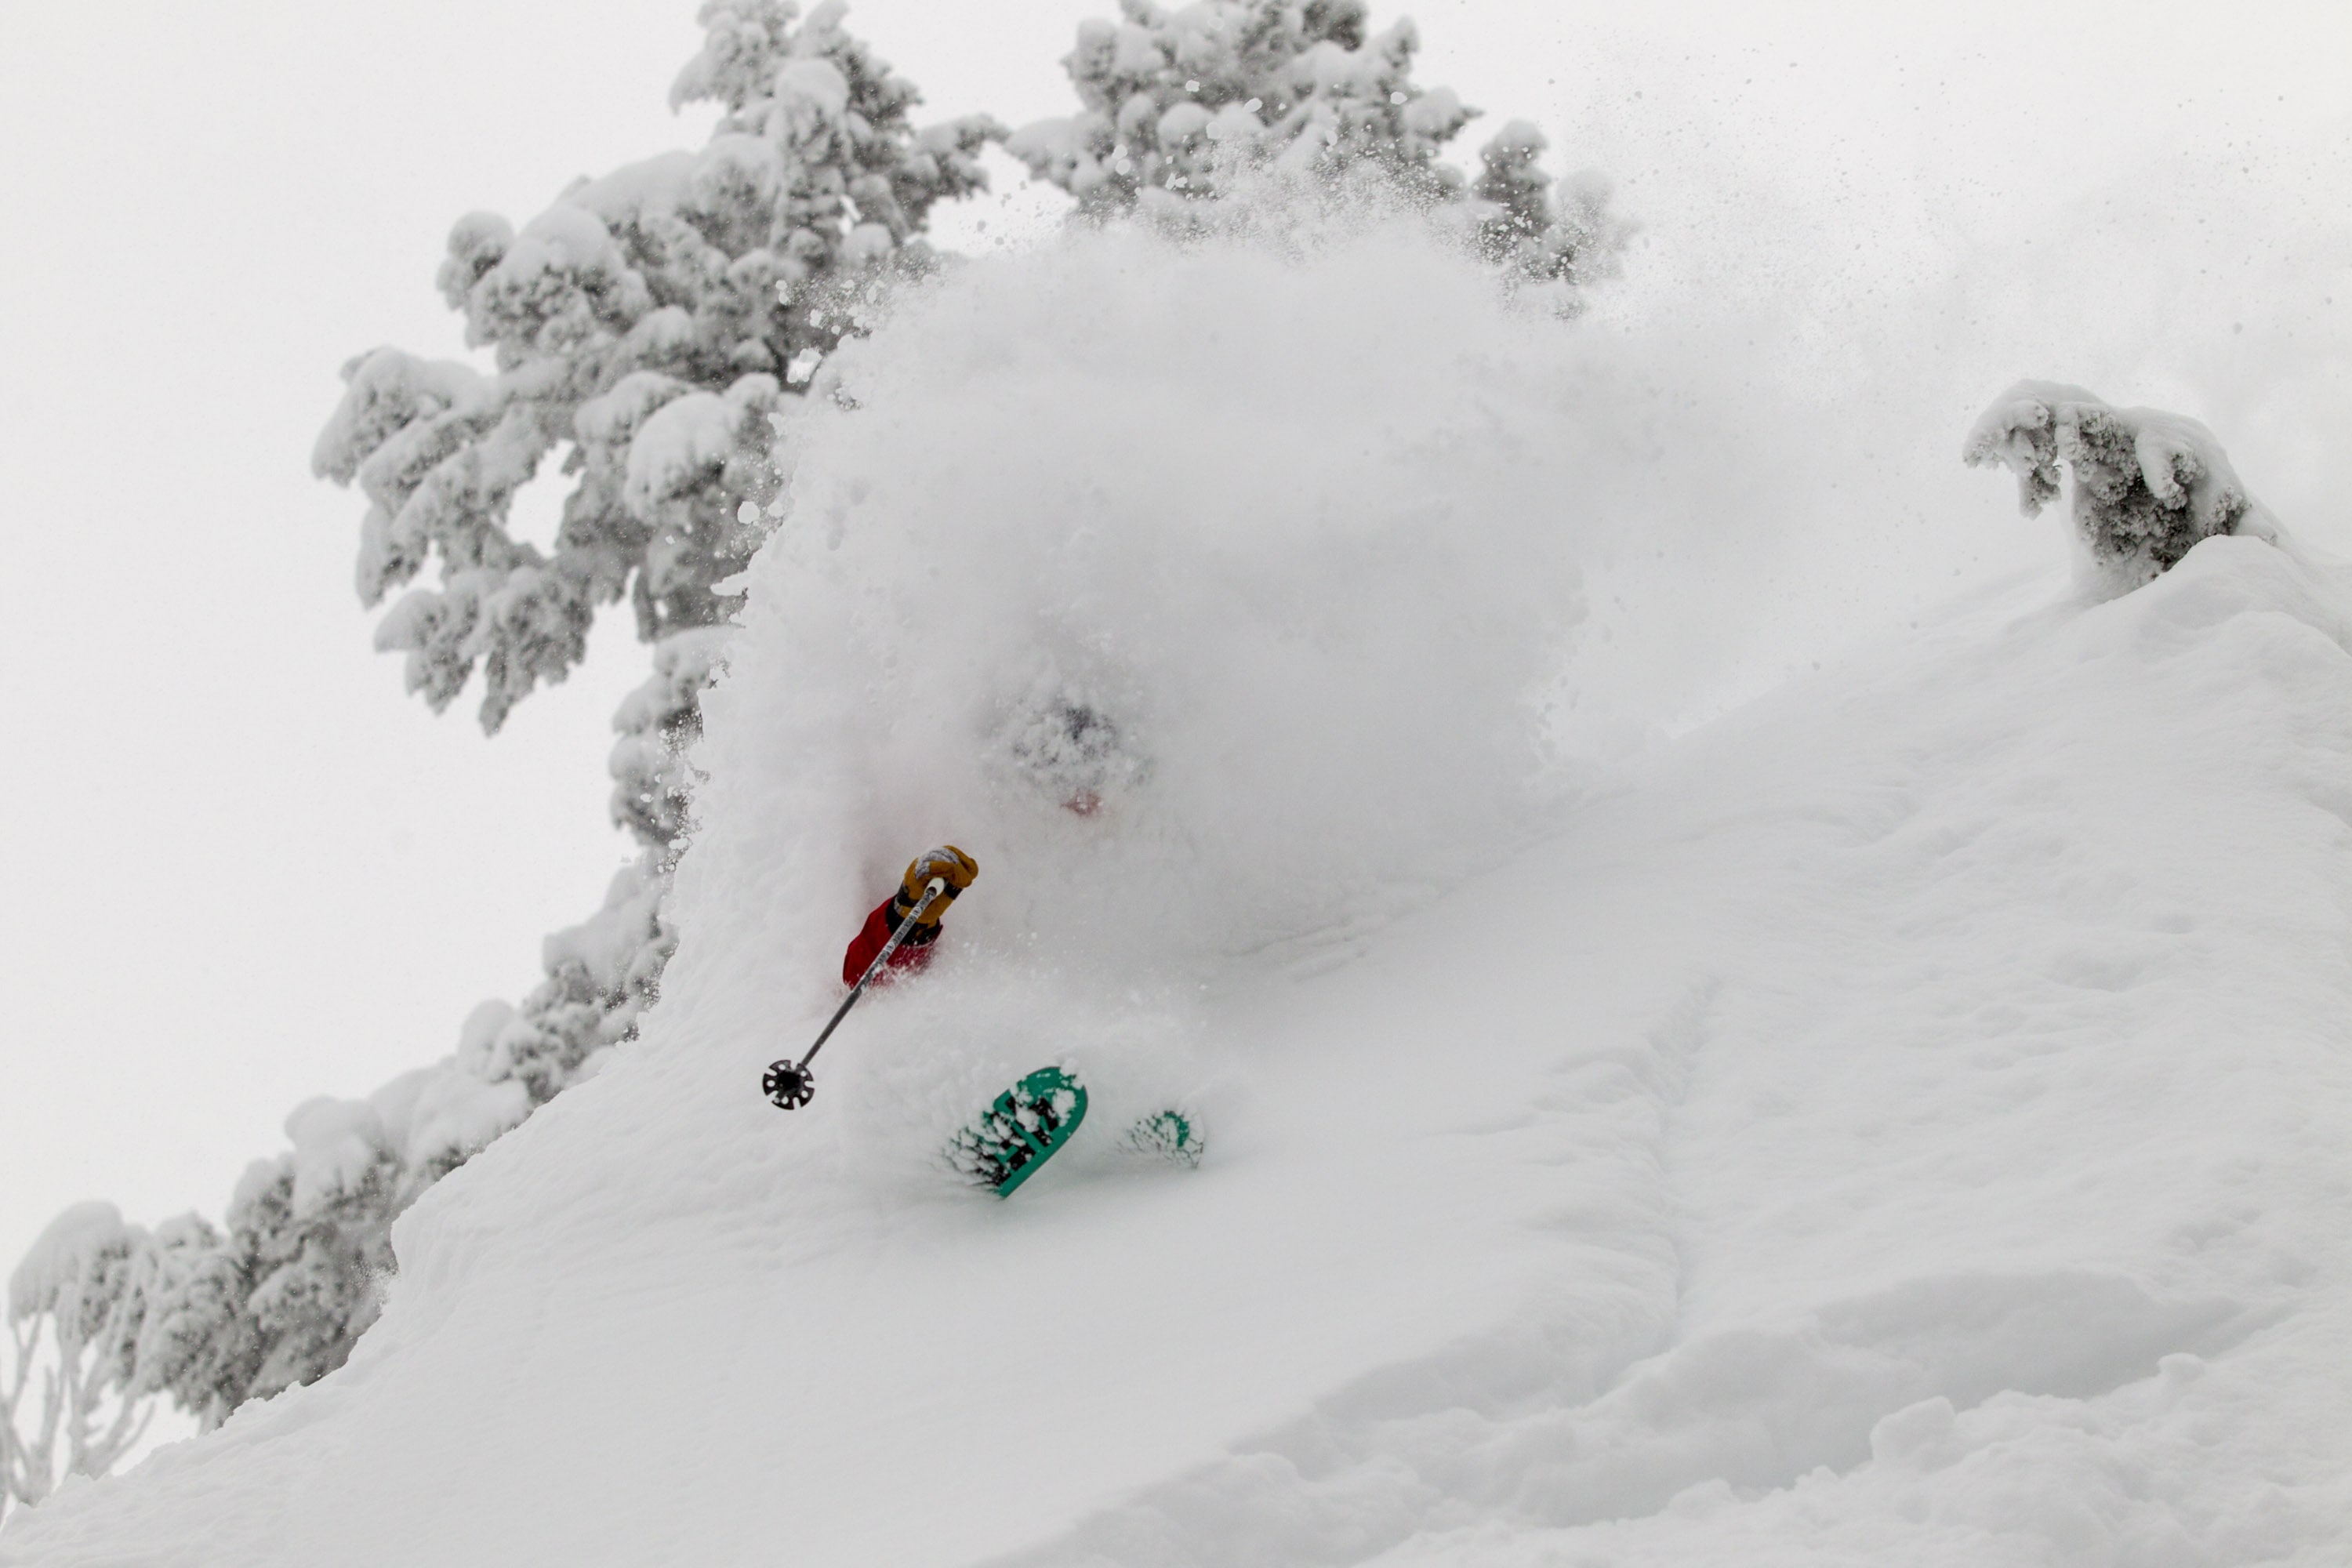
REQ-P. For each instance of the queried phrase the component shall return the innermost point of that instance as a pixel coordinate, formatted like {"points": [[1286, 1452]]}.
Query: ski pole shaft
{"points": [[906, 927]]}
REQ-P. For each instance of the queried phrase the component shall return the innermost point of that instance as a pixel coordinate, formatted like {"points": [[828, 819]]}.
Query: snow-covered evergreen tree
{"points": [[71, 1402], [1183, 105], [642, 329], [2149, 485]]}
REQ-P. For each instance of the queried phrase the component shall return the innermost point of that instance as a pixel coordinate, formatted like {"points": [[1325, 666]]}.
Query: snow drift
{"points": [[1900, 1120]]}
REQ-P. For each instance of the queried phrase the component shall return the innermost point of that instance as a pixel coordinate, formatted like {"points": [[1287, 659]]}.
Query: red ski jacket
{"points": [[874, 934]]}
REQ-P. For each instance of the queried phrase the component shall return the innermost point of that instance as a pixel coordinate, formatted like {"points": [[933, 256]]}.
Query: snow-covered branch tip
{"points": [[2149, 485]]}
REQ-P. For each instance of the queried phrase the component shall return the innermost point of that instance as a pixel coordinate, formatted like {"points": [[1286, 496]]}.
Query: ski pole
{"points": [[790, 1083]]}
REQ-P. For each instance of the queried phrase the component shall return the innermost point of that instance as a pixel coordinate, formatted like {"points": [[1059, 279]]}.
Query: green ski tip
{"points": [[1020, 1130], [1167, 1135]]}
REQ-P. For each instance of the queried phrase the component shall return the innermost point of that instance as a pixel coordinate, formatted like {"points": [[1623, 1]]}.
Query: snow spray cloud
{"points": [[1207, 593], [1218, 593]]}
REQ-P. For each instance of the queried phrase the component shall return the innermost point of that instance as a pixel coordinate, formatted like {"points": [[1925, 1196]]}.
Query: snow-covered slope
{"points": [[1909, 1120], [1903, 1121]]}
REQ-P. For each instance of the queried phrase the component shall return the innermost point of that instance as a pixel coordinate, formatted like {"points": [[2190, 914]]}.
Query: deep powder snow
{"points": [[1901, 1121]]}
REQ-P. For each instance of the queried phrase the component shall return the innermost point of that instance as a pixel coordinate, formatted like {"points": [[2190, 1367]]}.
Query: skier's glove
{"points": [[949, 864]]}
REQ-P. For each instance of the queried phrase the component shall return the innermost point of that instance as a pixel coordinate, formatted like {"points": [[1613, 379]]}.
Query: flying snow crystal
{"points": [[2148, 485]]}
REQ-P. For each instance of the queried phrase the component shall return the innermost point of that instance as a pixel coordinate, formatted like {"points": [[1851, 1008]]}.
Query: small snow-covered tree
{"points": [[1183, 105], [71, 1402], [2148, 485], [642, 330]]}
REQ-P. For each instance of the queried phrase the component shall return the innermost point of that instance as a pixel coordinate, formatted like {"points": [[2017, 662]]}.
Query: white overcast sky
{"points": [[242, 869]]}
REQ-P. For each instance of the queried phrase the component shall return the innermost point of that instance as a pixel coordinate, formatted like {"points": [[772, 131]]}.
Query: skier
{"points": [[949, 865], [1022, 1127]]}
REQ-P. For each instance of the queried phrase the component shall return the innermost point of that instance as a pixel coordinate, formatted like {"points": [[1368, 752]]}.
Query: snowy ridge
{"points": [[1899, 1121]]}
